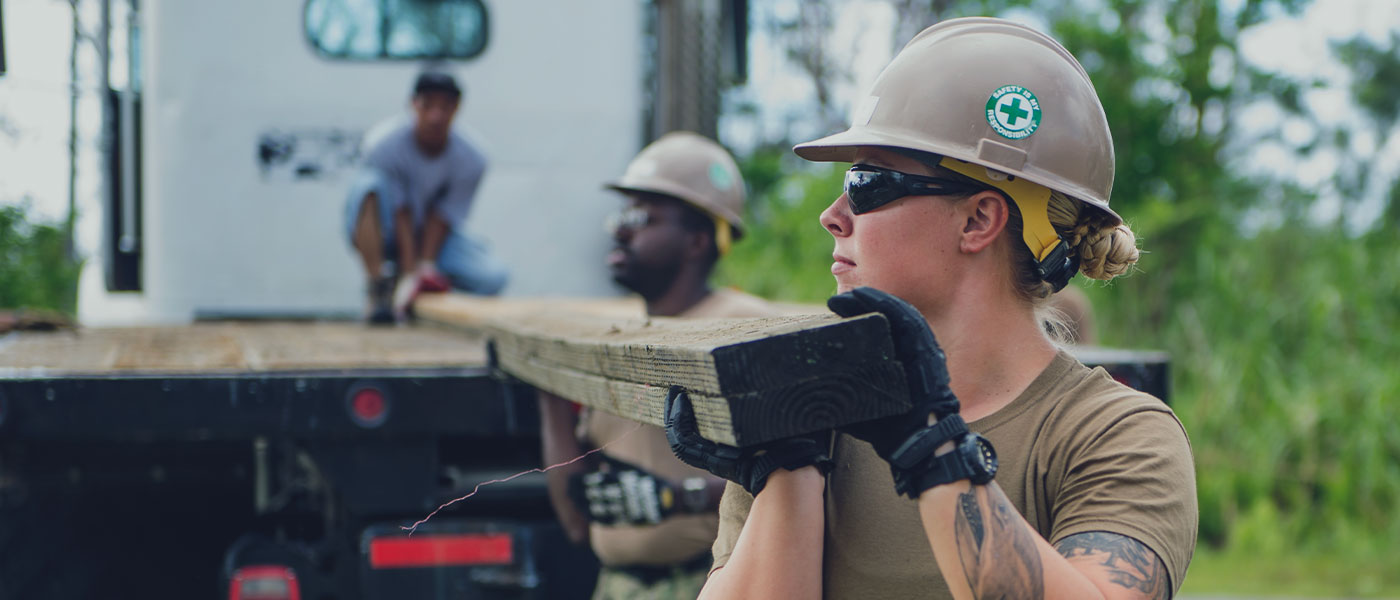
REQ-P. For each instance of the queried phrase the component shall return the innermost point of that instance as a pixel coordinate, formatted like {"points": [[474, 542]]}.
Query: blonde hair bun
{"points": [[1107, 247], [1106, 253]]}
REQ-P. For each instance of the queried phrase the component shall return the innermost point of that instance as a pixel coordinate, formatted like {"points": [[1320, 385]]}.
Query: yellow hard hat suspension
{"points": [[724, 234], [1032, 198]]}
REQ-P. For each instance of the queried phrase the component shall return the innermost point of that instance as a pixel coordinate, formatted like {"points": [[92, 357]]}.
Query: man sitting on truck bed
{"points": [[409, 201], [650, 518]]}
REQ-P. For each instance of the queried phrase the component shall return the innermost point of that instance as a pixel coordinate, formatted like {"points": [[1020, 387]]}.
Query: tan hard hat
{"points": [[692, 168], [992, 93]]}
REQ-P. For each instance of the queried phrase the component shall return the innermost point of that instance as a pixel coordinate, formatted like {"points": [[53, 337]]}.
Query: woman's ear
{"points": [[985, 215]]}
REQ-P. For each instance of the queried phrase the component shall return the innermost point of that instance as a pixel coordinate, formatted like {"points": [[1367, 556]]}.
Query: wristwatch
{"points": [[972, 458], [916, 468], [695, 494]]}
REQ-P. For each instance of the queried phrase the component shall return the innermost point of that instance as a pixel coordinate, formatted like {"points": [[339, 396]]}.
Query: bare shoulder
{"points": [[1130, 568]]}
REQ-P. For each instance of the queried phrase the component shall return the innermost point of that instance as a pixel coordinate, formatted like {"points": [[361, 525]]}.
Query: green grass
{"points": [[1309, 575]]}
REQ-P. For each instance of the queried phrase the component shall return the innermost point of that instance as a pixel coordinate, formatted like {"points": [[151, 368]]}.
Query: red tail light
{"points": [[440, 550], [368, 405], [264, 582]]}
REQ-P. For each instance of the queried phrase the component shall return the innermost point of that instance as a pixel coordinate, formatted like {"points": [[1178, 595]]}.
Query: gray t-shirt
{"points": [[445, 184]]}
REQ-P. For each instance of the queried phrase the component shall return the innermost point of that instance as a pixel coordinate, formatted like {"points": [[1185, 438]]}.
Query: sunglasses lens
{"points": [[868, 190], [630, 219]]}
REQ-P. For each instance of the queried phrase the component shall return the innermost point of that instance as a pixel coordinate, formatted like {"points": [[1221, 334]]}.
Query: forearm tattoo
{"points": [[996, 548], [1128, 562]]}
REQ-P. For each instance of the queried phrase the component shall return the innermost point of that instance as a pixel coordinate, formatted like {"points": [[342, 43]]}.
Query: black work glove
{"points": [[748, 467], [925, 371], [622, 494]]}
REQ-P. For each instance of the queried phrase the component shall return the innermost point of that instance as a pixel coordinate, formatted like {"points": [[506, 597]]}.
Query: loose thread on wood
{"points": [[411, 528]]}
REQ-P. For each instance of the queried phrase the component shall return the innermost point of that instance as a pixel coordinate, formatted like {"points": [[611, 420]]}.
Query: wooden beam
{"points": [[237, 347], [750, 380], [472, 313]]}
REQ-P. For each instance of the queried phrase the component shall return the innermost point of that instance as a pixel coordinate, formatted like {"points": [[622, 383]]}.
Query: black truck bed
{"points": [[213, 381]]}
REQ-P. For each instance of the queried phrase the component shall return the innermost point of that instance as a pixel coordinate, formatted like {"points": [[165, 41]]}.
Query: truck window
{"points": [[396, 29]]}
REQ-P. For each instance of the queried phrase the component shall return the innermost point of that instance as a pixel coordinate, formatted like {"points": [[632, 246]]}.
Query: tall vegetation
{"points": [[35, 271]]}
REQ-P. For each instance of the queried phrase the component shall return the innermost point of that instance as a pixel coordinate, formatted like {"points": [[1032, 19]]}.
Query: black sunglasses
{"points": [[869, 187]]}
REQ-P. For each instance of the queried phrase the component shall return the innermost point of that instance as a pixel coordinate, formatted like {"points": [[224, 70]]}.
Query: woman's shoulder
{"points": [[1095, 418], [1086, 396]]}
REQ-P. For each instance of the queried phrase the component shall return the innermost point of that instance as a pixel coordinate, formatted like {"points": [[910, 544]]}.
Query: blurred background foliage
{"points": [[35, 269], [1281, 325]]}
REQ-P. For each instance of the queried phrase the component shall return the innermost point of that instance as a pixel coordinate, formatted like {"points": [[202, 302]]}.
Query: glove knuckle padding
{"points": [[748, 467]]}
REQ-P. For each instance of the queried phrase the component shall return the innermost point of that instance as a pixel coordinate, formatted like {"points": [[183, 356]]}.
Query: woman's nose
{"points": [[837, 217]]}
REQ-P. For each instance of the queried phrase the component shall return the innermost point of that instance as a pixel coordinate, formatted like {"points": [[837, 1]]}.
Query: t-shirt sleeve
{"points": [[1134, 477], [734, 509], [466, 177]]}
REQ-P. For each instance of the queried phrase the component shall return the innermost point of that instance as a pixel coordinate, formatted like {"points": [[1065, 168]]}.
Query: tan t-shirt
{"points": [[1078, 452], [680, 537]]}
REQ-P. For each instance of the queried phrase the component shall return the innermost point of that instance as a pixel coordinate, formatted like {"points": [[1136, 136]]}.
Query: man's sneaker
{"points": [[381, 301]]}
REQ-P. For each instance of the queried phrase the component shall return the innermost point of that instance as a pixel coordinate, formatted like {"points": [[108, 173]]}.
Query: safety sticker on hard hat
{"points": [[1013, 111], [719, 177]]}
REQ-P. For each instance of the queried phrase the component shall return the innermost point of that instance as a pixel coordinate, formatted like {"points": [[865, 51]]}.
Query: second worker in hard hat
{"points": [[982, 165], [650, 518]]}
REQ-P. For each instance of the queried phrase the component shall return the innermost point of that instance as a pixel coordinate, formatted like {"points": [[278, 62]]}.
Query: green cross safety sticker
{"points": [[1013, 111], [719, 177]]}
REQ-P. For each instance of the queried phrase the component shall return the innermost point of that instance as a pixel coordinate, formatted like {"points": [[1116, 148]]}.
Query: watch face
{"points": [[983, 458]]}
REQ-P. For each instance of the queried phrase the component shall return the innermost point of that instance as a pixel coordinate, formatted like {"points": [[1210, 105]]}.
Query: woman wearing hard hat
{"points": [[982, 169]]}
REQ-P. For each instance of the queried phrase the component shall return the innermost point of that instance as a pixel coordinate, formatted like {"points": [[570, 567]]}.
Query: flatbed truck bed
{"points": [[158, 461]]}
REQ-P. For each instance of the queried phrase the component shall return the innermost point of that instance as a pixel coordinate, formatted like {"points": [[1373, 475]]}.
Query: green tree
{"points": [[35, 271]]}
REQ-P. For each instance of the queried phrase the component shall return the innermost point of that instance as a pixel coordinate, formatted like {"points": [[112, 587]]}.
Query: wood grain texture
{"points": [[750, 380], [237, 347], [465, 311], [757, 353]]}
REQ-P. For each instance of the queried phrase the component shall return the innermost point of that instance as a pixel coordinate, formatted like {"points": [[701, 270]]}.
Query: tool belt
{"points": [[651, 574]]}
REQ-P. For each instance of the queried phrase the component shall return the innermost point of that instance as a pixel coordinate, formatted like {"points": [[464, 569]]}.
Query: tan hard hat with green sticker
{"points": [[1009, 105], [694, 169]]}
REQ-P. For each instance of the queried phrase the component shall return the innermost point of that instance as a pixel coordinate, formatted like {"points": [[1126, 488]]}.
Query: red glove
{"points": [[426, 278], [430, 279]]}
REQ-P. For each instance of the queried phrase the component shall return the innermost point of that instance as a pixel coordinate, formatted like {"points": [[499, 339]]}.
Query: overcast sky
{"points": [[34, 105], [34, 94]]}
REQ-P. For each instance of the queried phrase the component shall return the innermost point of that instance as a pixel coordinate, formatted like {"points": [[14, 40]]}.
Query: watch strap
{"points": [[918, 447], [963, 462]]}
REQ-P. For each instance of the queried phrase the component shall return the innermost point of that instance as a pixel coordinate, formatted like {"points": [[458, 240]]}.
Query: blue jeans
{"points": [[466, 262]]}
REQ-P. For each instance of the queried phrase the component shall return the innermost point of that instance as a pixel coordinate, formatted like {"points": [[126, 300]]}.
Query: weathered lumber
{"points": [[473, 313], [750, 380], [236, 347]]}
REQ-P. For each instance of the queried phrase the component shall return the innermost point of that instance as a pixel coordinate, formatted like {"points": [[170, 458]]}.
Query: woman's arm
{"points": [[779, 551], [778, 554], [985, 549]]}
